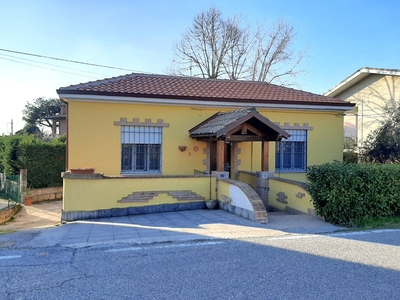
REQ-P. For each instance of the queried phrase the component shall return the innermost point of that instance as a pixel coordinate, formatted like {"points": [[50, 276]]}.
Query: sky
{"points": [[341, 36]]}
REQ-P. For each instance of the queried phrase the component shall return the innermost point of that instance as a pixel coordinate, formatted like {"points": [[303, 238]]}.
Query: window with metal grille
{"points": [[291, 154], [141, 149]]}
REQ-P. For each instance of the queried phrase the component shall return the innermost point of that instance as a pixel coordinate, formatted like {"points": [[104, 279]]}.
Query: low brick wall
{"points": [[290, 196], [46, 194], [98, 196], [241, 199]]}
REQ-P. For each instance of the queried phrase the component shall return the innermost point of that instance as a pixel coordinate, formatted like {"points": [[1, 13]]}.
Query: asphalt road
{"points": [[356, 265]]}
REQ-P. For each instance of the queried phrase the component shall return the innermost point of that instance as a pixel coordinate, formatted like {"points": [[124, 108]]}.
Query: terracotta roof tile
{"points": [[165, 86]]}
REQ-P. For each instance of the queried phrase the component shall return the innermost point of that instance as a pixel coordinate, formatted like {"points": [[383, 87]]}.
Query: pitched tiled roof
{"points": [[356, 77], [220, 120], [190, 88]]}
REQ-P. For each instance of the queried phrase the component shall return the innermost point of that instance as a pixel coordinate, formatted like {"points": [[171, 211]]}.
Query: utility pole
{"points": [[12, 127]]}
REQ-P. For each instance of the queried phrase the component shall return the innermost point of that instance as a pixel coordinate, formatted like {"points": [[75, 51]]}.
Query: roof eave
{"points": [[64, 94], [358, 76], [245, 118]]}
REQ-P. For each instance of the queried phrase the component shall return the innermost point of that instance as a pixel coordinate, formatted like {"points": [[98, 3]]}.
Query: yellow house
{"points": [[162, 143], [372, 91]]}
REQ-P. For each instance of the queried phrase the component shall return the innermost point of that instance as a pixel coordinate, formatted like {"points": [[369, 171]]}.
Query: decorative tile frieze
{"points": [[281, 197], [287, 125], [139, 197], [146, 196], [185, 195], [236, 159], [136, 122], [206, 162]]}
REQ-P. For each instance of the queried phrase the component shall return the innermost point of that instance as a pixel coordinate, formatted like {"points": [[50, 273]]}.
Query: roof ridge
{"points": [[186, 78], [113, 79]]}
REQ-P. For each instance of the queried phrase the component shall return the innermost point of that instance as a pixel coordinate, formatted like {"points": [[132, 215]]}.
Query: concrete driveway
{"points": [[42, 222]]}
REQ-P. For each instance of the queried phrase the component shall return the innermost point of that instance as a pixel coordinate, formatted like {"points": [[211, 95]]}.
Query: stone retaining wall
{"points": [[45, 194], [8, 213]]}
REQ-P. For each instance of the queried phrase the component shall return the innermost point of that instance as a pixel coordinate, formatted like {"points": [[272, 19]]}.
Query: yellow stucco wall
{"points": [[371, 95], [94, 194], [249, 178], [94, 140], [296, 197]]}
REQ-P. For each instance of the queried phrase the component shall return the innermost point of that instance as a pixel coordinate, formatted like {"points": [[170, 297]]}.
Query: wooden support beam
{"points": [[244, 138], [244, 129], [265, 156], [220, 155]]}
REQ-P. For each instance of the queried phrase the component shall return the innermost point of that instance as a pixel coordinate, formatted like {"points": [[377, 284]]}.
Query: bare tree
{"points": [[215, 47], [205, 46], [274, 60]]}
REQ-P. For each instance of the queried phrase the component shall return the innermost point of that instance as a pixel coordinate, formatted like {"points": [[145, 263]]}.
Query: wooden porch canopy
{"points": [[239, 125]]}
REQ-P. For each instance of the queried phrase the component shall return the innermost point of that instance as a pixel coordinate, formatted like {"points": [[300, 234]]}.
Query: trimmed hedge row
{"points": [[343, 193], [9, 155], [44, 160]]}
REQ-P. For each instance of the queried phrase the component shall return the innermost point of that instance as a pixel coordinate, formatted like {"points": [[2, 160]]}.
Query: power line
{"points": [[66, 60], [20, 62], [43, 63]]}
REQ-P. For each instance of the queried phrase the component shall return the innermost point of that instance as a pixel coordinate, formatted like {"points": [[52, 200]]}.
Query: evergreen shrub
{"points": [[343, 193], [9, 154], [44, 160]]}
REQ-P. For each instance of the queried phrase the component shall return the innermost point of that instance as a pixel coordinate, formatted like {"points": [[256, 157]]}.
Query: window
{"points": [[291, 154], [141, 149]]}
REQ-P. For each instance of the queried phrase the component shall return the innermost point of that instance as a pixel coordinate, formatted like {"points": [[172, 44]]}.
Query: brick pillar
{"points": [[220, 175], [263, 186]]}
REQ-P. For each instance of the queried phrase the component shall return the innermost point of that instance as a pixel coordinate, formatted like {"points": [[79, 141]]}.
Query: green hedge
{"points": [[9, 154], [343, 193], [44, 160]]}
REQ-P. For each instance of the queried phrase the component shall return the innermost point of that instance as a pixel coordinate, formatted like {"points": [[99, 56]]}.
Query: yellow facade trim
{"points": [[136, 122], [287, 125]]}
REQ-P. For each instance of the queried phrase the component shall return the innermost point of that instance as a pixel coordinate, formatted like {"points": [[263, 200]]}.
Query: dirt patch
{"points": [[40, 215]]}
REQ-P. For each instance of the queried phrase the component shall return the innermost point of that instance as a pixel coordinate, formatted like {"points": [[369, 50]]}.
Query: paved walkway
{"points": [[38, 216], [166, 227]]}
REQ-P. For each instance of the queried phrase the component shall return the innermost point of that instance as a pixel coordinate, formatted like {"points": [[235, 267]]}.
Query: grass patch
{"points": [[377, 223], [12, 219]]}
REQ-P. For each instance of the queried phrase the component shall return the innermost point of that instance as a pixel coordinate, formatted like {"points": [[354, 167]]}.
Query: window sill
{"points": [[141, 174], [287, 171]]}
